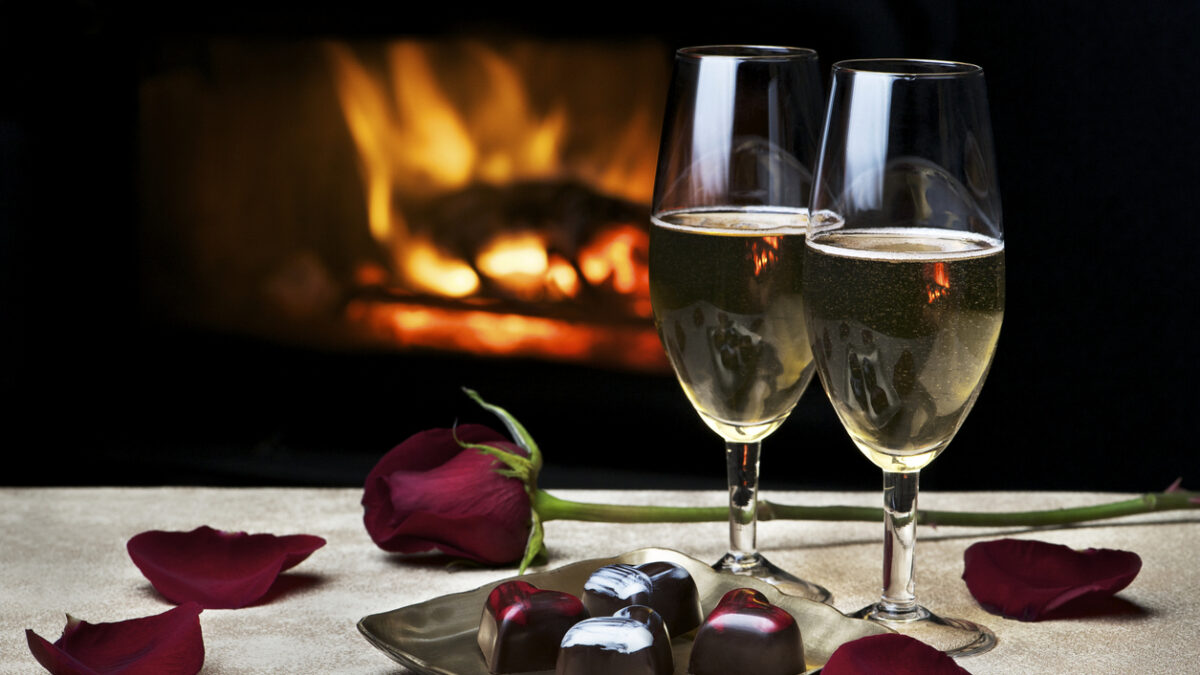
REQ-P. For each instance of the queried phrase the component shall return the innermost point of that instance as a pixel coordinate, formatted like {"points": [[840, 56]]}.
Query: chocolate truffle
{"points": [[634, 641], [674, 596], [746, 635], [613, 587], [522, 626]]}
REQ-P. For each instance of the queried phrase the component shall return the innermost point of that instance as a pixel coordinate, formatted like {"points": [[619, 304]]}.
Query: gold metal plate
{"points": [[437, 637]]}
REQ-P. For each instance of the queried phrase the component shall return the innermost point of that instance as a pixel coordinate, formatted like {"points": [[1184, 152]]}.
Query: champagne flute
{"points": [[904, 288], [729, 217]]}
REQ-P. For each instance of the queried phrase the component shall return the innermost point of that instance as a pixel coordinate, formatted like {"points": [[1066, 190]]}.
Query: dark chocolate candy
{"points": [[746, 635], [613, 587], [633, 641], [522, 626], [674, 596]]}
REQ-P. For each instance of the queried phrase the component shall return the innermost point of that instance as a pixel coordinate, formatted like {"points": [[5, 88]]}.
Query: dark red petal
{"points": [[462, 508], [890, 653], [219, 570], [1029, 580], [164, 644]]}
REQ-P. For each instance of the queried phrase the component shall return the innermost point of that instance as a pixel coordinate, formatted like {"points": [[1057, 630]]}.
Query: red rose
{"points": [[431, 494]]}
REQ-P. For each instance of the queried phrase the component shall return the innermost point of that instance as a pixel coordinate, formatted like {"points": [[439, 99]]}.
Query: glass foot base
{"points": [[757, 566], [955, 637]]}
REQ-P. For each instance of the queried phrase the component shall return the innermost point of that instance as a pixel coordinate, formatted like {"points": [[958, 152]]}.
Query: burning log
{"points": [[565, 220]]}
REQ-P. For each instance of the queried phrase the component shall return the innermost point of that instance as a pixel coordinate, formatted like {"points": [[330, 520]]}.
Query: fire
{"points": [[431, 270], [518, 262], [429, 124], [613, 258], [467, 120]]}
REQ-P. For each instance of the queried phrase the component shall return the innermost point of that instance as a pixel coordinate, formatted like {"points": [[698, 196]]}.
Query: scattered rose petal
{"points": [[219, 570], [890, 653], [164, 644], [431, 494], [1028, 580]]}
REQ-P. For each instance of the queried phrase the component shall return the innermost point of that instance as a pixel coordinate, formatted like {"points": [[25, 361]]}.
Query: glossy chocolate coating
{"points": [[674, 596], [633, 641], [612, 587], [522, 626], [746, 635]]}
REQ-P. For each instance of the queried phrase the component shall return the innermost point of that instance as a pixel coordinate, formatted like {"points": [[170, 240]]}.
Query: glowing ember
{"points": [[431, 270], [518, 262], [500, 334], [618, 257]]}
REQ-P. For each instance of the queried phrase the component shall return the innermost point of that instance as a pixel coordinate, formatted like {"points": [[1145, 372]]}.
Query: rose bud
{"points": [[430, 493]]}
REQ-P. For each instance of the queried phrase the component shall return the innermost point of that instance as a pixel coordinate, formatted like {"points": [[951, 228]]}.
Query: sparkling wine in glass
{"points": [[904, 288], [729, 218]]}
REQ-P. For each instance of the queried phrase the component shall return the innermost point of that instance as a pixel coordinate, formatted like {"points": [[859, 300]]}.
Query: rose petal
{"points": [[1028, 580], [164, 644], [890, 653], [421, 452], [219, 570], [430, 494]]}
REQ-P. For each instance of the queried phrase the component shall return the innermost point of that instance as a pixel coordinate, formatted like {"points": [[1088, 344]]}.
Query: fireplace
{"points": [[485, 197]]}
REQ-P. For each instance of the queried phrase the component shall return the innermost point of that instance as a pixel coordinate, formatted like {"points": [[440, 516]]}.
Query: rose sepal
{"points": [[524, 469], [518, 432]]}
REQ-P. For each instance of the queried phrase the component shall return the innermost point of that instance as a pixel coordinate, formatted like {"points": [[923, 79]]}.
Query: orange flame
{"points": [[428, 125], [433, 118]]}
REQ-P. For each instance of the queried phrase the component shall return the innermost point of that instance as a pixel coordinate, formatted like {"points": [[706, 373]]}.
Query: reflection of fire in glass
{"points": [[765, 252], [937, 281]]}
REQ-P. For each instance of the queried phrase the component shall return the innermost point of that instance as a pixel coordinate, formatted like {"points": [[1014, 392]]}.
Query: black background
{"points": [[1094, 386]]}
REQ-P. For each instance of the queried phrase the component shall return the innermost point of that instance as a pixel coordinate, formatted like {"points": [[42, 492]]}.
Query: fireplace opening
{"points": [[488, 197]]}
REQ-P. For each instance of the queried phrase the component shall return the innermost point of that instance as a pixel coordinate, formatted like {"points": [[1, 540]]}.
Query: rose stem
{"points": [[550, 507]]}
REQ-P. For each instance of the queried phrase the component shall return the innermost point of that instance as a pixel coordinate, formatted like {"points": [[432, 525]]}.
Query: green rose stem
{"points": [[547, 507], [550, 507]]}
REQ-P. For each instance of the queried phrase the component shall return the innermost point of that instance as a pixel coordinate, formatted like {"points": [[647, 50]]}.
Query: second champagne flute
{"points": [[904, 289], [729, 217]]}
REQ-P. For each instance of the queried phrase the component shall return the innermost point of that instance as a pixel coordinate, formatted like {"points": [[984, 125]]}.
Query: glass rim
{"points": [[908, 68], [746, 52]]}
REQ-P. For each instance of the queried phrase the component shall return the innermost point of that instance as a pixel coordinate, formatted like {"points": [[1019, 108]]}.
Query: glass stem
{"points": [[898, 601], [741, 462]]}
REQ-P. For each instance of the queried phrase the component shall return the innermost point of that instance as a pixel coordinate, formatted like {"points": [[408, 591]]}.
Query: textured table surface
{"points": [[62, 550]]}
